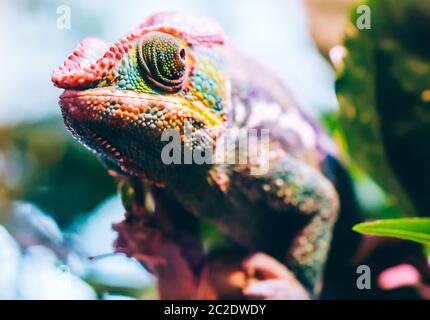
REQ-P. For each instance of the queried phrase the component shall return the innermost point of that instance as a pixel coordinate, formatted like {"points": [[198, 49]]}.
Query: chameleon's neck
{"points": [[191, 179], [208, 194]]}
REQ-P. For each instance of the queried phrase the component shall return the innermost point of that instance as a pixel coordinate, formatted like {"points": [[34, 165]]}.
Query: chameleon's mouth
{"points": [[114, 122], [109, 104]]}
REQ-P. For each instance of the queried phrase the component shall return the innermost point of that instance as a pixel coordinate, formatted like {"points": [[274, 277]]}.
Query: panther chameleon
{"points": [[177, 72]]}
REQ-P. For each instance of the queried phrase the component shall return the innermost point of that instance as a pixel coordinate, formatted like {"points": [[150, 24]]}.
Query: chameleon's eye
{"points": [[164, 60]]}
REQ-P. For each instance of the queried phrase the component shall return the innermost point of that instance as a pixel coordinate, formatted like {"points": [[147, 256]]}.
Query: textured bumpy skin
{"points": [[173, 70]]}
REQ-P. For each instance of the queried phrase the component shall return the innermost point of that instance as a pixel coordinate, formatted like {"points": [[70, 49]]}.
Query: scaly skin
{"points": [[173, 70]]}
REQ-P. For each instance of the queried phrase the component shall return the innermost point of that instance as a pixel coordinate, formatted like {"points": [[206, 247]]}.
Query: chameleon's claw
{"points": [[257, 276], [272, 279], [264, 266], [276, 289]]}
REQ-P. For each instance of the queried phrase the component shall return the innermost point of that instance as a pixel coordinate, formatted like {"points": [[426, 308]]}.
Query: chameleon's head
{"points": [[119, 98]]}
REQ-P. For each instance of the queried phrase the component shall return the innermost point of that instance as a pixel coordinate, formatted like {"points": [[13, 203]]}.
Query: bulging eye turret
{"points": [[163, 60]]}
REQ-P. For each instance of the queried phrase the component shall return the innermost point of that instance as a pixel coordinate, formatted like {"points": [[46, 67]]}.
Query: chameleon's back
{"points": [[261, 100]]}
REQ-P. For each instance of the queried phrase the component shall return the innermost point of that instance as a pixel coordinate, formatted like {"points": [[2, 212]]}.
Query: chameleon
{"points": [[181, 73]]}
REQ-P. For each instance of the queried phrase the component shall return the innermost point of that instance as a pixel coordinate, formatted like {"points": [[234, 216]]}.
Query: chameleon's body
{"points": [[171, 71]]}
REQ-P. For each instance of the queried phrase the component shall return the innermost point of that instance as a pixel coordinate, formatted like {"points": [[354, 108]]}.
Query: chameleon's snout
{"points": [[91, 62]]}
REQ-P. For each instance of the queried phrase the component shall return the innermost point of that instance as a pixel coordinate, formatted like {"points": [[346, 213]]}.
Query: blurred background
{"points": [[57, 203]]}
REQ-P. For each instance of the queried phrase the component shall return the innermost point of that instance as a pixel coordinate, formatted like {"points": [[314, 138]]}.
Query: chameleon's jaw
{"points": [[85, 117], [121, 125]]}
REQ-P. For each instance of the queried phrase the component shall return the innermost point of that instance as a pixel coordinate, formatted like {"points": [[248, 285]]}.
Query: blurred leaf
{"points": [[384, 100], [413, 229], [146, 293], [52, 170]]}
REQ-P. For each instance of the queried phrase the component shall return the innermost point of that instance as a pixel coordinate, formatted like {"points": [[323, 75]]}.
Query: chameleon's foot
{"points": [[256, 276], [276, 289], [273, 280]]}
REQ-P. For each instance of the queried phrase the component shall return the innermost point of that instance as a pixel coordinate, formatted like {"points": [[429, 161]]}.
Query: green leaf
{"points": [[413, 229], [382, 89]]}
